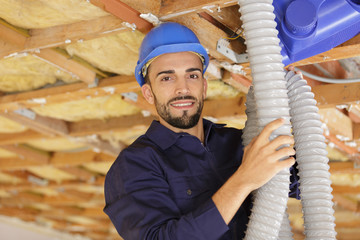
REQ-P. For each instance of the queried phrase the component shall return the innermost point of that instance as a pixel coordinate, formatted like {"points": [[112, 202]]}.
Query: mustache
{"points": [[188, 97]]}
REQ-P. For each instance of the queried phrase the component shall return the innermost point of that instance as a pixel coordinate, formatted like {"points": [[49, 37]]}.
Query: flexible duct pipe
{"points": [[272, 102], [312, 160], [269, 219]]}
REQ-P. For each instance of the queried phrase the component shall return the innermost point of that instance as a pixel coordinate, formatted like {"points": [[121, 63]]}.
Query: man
{"points": [[186, 178]]}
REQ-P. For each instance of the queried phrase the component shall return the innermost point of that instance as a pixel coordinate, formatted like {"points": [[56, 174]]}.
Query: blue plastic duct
{"points": [[309, 27]]}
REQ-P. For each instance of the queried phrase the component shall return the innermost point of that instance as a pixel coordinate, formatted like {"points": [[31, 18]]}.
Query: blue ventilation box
{"points": [[310, 27]]}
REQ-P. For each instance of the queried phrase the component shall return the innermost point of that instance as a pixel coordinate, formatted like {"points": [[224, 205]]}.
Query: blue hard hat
{"points": [[168, 37]]}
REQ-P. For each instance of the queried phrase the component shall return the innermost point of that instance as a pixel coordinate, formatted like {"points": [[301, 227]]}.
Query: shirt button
{"points": [[189, 192]]}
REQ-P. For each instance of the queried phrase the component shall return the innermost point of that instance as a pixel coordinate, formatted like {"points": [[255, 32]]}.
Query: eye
{"points": [[194, 76], [166, 78]]}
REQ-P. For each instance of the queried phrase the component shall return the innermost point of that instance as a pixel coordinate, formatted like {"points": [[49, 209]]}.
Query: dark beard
{"points": [[183, 122]]}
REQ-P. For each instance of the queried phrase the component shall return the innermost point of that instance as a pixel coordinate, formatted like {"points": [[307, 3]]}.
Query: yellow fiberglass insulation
{"points": [[51, 173], [6, 154], [126, 136], [92, 108], [115, 53], [9, 126], [55, 144], [26, 72], [32, 14], [219, 89]]}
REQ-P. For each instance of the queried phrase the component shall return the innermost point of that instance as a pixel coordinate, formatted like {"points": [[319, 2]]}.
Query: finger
{"points": [[280, 141], [291, 68], [287, 163], [269, 128], [283, 153]]}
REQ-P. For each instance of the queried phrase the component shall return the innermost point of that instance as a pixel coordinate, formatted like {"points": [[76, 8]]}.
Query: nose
{"points": [[182, 87]]}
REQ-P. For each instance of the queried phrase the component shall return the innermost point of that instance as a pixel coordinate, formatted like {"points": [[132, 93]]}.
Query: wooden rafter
{"points": [[65, 34], [65, 62], [126, 13], [69, 92]]}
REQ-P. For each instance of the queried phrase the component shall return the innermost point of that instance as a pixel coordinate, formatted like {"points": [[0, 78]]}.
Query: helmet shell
{"points": [[168, 37]]}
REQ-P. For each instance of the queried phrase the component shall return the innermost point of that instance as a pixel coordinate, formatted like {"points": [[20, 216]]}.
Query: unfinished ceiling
{"points": [[69, 103]]}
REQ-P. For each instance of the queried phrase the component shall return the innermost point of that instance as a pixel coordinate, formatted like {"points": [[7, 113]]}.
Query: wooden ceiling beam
{"points": [[208, 34], [345, 189], [356, 130], [348, 49], [66, 34], [80, 173], [69, 92], [29, 153], [17, 163], [45, 125], [126, 14], [232, 107], [346, 203], [170, 9], [12, 34], [65, 62], [69, 162], [343, 167], [20, 137], [330, 95], [99, 181], [88, 127]]}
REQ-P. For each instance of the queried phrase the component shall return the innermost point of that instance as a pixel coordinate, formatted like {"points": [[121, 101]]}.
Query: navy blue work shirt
{"points": [[160, 187]]}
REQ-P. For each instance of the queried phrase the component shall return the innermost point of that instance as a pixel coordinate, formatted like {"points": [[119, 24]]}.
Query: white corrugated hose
{"points": [[270, 98]]}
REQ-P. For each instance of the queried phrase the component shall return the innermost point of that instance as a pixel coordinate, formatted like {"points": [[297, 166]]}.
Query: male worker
{"points": [[186, 177]]}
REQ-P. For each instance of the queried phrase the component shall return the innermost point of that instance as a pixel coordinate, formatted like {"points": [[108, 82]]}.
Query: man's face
{"points": [[177, 88]]}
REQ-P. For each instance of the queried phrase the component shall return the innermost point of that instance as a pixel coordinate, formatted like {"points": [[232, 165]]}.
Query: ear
{"points": [[205, 87], [147, 93]]}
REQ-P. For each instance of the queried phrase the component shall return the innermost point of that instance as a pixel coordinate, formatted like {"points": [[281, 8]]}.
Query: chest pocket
{"points": [[189, 192]]}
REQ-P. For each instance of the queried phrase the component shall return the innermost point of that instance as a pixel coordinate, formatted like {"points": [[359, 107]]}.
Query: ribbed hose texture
{"points": [[311, 156], [272, 102], [270, 98]]}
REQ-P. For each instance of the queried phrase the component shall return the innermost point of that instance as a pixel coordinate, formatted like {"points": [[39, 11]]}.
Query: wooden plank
{"points": [[102, 146], [239, 82], [346, 203], [340, 144], [69, 92], [12, 34], [350, 48], [330, 95], [13, 138], [17, 163], [29, 153], [356, 130], [80, 173], [64, 159], [46, 125], [228, 16], [64, 62], [207, 33], [343, 167], [233, 107], [345, 189], [66, 34], [170, 8], [88, 127], [127, 14]]}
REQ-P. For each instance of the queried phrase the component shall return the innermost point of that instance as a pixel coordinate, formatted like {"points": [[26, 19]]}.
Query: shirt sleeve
{"points": [[139, 205], [294, 182]]}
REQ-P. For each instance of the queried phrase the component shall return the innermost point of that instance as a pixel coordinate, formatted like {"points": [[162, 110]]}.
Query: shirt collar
{"points": [[165, 137]]}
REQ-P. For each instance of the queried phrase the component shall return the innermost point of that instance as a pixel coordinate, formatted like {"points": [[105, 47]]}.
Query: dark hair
{"points": [[147, 79]]}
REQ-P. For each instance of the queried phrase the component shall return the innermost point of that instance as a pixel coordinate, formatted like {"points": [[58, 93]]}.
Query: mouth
{"points": [[182, 105]]}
